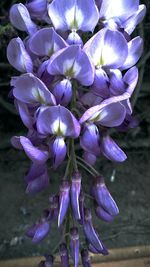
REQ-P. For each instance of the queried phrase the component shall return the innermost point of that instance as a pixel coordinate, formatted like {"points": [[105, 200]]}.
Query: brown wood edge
{"points": [[114, 255]]}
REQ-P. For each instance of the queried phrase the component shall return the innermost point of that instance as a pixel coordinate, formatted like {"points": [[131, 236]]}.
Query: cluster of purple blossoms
{"points": [[74, 91]]}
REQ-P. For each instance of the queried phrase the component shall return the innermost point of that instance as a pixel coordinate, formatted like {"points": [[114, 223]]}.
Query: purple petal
{"points": [[37, 8], [73, 15], [86, 261], [100, 85], [73, 63], [59, 151], [107, 48], [44, 75], [58, 120], [111, 150], [35, 171], [18, 56], [130, 24], [25, 115], [46, 42], [90, 139], [41, 232], [75, 193], [34, 153], [90, 232], [90, 99], [74, 39], [122, 9], [104, 198], [63, 92], [104, 251], [81, 206], [64, 255], [31, 90], [103, 215], [117, 85], [63, 201], [131, 79], [135, 49], [15, 141], [54, 208], [20, 18], [74, 245], [37, 184]]}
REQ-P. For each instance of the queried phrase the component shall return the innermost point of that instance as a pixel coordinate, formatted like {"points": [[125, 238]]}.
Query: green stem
{"points": [[85, 168], [88, 165]]}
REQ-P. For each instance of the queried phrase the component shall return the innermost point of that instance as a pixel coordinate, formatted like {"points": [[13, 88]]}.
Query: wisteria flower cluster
{"points": [[78, 73]]}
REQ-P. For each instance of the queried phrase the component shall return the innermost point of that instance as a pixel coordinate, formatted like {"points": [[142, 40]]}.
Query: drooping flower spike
{"points": [[73, 88]]}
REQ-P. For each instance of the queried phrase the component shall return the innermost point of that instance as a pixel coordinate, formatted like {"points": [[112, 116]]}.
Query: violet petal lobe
{"points": [[18, 56], [20, 18], [63, 92], [73, 15], [35, 171], [59, 151], [103, 215], [90, 232], [103, 197], [64, 257], [25, 115], [90, 140], [41, 232], [37, 8], [89, 158], [111, 150], [37, 184]]}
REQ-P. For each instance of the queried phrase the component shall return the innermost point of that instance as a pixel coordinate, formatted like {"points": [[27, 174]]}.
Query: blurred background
{"points": [[129, 182]]}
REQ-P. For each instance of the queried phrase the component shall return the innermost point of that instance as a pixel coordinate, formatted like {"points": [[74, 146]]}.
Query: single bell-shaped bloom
{"points": [[37, 8], [127, 14], [58, 121], [18, 57], [107, 49], [31, 90], [111, 150], [74, 39], [37, 179], [20, 18], [111, 112], [72, 62], [35, 154], [38, 231], [64, 257], [86, 261], [103, 197], [63, 201], [89, 158], [74, 245], [101, 82], [73, 15], [59, 151], [90, 232], [90, 140], [103, 215], [75, 193], [63, 92], [135, 49], [46, 42]]}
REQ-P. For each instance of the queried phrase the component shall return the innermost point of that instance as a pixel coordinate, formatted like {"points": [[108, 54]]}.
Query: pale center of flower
{"points": [[59, 128]]}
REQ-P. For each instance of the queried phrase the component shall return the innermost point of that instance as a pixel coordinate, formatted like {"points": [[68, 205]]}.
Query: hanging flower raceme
{"points": [[71, 92]]}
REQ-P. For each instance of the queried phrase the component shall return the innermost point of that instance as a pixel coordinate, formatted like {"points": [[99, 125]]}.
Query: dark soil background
{"points": [[129, 182]]}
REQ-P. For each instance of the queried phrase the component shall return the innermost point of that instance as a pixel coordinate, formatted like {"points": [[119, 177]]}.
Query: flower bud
{"points": [[74, 245], [63, 201], [59, 151], [64, 255], [63, 92], [86, 262], [74, 39], [103, 215], [75, 193], [38, 231]]}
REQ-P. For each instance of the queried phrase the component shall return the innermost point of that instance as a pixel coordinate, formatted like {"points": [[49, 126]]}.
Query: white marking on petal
{"points": [[74, 18], [58, 127]]}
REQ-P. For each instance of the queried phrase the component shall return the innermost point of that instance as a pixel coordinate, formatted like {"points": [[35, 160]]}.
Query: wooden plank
{"points": [[123, 257]]}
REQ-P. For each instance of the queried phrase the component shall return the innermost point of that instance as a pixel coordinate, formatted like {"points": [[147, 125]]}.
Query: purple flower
{"points": [[72, 62], [20, 18], [38, 231], [37, 8], [89, 157], [73, 15], [54, 207], [90, 140], [63, 201], [46, 42], [64, 255], [18, 57], [63, 92], [75, 193], [86, 261], [103, 197], [90, 232], [59, 151], [103, 215], [74, 245]]}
